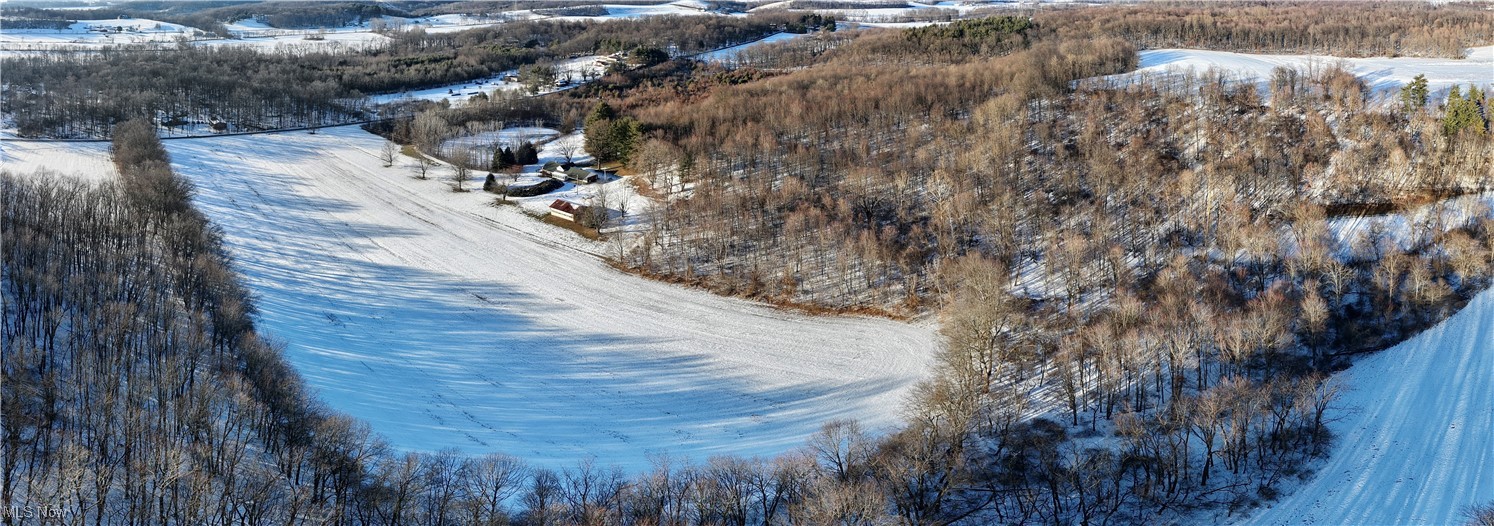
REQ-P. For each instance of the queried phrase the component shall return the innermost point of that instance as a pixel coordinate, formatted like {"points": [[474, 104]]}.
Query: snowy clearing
{"points": [[1381, 74], [728, 55], [297, 42], [446, 321], [86, 160], [574, 71], [637, 11], [95, 34], [1415, 446], [87, 35], [1413, 228], [510, 137]]}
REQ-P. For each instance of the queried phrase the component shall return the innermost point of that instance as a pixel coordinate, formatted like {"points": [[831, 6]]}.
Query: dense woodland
{"points": [[1140, 294], [1154, 255]]}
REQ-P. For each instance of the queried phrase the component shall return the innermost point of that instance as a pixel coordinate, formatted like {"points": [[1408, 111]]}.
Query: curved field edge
{"points": [[447, 322], [1414, 443]]}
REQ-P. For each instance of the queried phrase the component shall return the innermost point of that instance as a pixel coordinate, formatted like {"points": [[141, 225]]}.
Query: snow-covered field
{"points": [[92, 34], [1417, 445], [504, 137], [446, 321], [730, 54], [576, 70], [88, 35], [1381, 74], [637, 11], [87, 160]]}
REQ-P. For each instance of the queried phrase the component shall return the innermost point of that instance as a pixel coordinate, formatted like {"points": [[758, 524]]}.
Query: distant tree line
{"points": [[12, 22], [302, 15], [83, 95], [1339, 28], [86, 94]]}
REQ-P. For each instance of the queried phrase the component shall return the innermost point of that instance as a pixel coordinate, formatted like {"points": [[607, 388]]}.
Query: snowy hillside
{"points": [[1415, 446], [96, 33], [1381, 74], [574, 71], [445, 321], [72, 159], [730, 54]]}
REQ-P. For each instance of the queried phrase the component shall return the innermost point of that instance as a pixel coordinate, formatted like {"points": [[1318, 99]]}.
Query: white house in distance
{"points": [[567, 210]]}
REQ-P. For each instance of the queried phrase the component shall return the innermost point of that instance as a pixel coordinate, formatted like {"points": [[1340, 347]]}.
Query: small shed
{"points": [[567, 210], [553, 169]]}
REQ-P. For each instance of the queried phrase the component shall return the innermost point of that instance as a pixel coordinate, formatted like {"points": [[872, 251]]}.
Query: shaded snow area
{"points": [[446, 321], [84, 160], [1381, 74], [1409, 230], [1416, 445]]}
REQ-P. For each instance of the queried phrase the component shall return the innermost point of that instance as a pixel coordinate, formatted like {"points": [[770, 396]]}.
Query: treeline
{"points": [[296, 15], [86, 94], [211, 15], [83, 95], [30, 17], [1345, 29], [12, 22], [416, 58]]}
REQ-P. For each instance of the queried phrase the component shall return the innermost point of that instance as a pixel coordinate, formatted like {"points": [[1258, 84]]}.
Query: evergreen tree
{"points": [[504, 158], [601, 112], [610, 137], [623, 136], [647, 56], [1414, 94], [526, 154], [1463, 112]]}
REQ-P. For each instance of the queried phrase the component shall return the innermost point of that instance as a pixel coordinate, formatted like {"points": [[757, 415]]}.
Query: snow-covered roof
{"points": [[567, 206]]}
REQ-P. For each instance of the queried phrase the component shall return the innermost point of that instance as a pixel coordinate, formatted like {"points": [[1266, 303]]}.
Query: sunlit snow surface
{"points": [[1381, 74], [1417, 443], [445, 321], [730, 54]]}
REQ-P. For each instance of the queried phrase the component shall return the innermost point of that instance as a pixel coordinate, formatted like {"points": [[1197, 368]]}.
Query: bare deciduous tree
{"points": [[389, 153], [423, 166]]}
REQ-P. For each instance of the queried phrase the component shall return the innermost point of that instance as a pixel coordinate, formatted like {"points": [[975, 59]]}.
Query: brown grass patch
{"points": [[644, 188], [903, 313], [588, 233]]}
